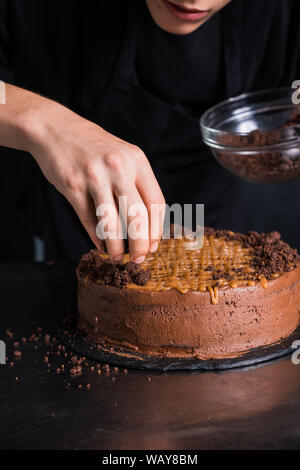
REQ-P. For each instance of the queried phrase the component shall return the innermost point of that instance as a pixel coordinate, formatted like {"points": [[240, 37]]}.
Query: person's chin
{"points": [[169, 23], [179, 29]]}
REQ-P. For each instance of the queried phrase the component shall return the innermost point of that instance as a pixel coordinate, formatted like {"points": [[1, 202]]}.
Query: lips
{"points": [[184, 13]]}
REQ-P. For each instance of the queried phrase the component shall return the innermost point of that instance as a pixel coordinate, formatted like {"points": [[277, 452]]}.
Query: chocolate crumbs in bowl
{"points": [[268, 163]]}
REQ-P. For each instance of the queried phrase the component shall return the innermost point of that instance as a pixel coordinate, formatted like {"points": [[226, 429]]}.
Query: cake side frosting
{"points": [[170, 323]]}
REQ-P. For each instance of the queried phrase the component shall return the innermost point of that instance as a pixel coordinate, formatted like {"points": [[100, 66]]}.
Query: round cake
{"points": [[236, 293]]}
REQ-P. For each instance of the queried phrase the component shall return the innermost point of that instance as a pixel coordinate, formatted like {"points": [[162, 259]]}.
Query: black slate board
{"points": [[81, 345]]}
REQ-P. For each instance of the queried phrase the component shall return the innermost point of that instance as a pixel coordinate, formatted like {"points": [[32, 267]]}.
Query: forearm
{"points": [[22, 117]]}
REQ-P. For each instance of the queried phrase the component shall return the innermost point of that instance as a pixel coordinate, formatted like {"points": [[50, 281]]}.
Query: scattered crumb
{"points": [[73, 365], [47, 338], [9, 334]]}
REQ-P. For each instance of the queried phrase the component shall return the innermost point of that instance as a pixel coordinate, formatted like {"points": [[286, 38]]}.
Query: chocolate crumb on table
{"points": [[9, 334], [70, 365]]}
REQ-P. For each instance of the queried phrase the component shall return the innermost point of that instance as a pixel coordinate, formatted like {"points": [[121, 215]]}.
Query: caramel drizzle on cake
{"points": [[226, 260], [219, 263]]}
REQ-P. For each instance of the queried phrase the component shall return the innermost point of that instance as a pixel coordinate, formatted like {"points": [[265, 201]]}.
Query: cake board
{"points": [[130, 359]]}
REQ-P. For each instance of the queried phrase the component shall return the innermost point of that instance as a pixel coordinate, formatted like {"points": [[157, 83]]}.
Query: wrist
{"points": [[33, 124]]}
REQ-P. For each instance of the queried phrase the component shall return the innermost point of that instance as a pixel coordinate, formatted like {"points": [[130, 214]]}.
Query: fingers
{"points": [[141, 205], [85, 209], [152, 196], [109, 224], [125, 177], [136, 215]]}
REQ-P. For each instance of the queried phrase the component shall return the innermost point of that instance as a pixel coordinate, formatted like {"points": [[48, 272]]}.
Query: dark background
{"points": [[271, 59], [258, 207]]}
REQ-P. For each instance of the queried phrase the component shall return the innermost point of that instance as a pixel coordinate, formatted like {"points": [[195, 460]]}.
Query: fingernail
{"points": [[118, 258], [154, 247], [139, 260]]}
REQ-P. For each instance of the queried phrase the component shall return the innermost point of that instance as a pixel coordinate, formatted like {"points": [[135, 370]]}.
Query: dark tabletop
{"points": [[257, 407]]}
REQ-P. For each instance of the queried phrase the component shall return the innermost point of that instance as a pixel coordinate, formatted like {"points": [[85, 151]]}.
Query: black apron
{"points": [[171, 139]]}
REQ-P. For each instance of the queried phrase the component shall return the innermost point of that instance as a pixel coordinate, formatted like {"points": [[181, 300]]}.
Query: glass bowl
{"points": [[256, 136]]}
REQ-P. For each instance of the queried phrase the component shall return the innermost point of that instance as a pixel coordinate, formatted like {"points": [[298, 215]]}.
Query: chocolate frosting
{"points": [[173, 324]]}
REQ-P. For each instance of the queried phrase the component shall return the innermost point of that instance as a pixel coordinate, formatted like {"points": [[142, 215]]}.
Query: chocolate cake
{"points": [[236, 293]]}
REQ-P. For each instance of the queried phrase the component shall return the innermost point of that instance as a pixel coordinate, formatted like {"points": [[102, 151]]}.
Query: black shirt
{"points": [[185, 71], [109, 62]]}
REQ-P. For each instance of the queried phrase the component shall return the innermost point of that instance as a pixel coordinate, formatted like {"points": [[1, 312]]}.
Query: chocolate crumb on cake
{"points": [[269, 253], [98, 267]]}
